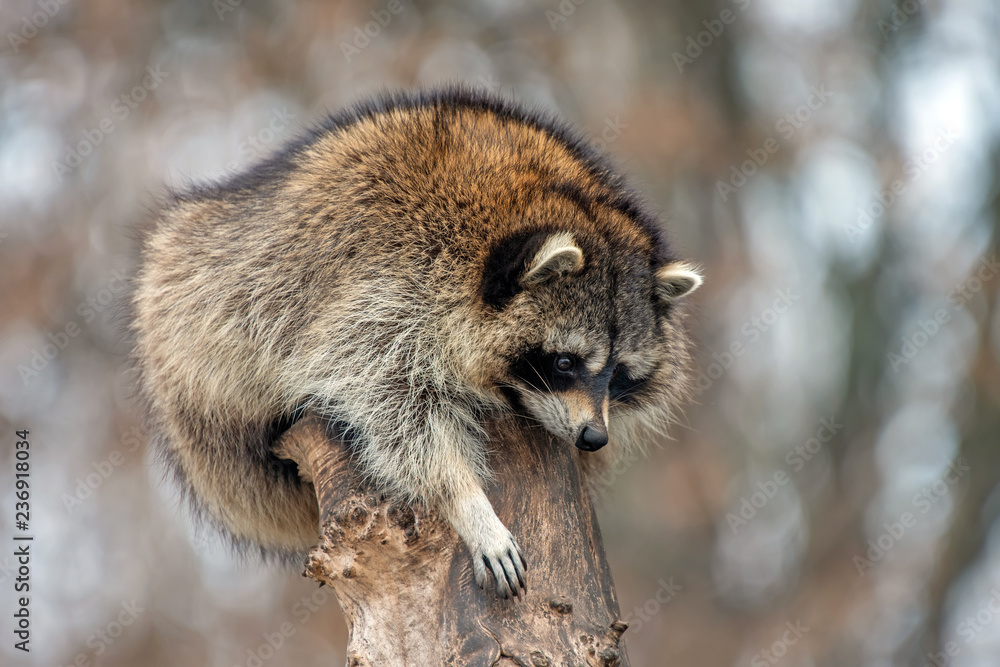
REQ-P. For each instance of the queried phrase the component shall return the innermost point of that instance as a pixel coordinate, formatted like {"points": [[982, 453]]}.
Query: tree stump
{"points": [[404, 579]]}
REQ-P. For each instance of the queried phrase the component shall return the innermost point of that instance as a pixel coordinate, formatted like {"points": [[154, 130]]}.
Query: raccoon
{"points": [[405, 269]]}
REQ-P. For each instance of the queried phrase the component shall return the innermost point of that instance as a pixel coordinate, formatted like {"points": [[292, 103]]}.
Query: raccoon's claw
{"points": [[489, 542], [507, 565]]}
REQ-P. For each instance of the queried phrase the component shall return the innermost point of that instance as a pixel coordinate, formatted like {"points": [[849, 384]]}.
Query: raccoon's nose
{"points": [[592, 437]]}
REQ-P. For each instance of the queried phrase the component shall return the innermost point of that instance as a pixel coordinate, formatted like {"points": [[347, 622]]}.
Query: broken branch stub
{"points": [[404, 579]]}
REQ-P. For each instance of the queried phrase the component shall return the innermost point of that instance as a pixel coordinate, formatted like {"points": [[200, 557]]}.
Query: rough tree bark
{"points": [[404, 579]]}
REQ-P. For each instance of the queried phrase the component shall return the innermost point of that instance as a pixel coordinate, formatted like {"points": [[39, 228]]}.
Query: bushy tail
{"points": [[232, 479]]}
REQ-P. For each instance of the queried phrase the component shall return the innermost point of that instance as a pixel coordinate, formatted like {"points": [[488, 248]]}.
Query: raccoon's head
{"points": [[592, 337]]}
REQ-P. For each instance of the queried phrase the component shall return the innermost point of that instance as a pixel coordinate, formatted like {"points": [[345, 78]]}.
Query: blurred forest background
{"points": [[832, 498]]}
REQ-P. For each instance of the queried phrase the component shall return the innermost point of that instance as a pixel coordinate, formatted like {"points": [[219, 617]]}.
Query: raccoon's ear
{"points": [[558, 256], [675, 280]]}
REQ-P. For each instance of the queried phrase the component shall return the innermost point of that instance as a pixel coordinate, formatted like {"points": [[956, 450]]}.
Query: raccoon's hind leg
{"points": [[492, 546], [233, 478]]}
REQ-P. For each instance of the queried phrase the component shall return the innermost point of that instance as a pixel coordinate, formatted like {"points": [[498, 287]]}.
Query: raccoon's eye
{"points": [[622, 387], [565, 363]]}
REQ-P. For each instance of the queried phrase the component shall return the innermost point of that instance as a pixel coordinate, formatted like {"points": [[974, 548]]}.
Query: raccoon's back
{"points": [[368, 228]]}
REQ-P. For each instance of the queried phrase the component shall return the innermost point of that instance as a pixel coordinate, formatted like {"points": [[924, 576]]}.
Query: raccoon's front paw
{"points": [[492, 546], [504, 559]]}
